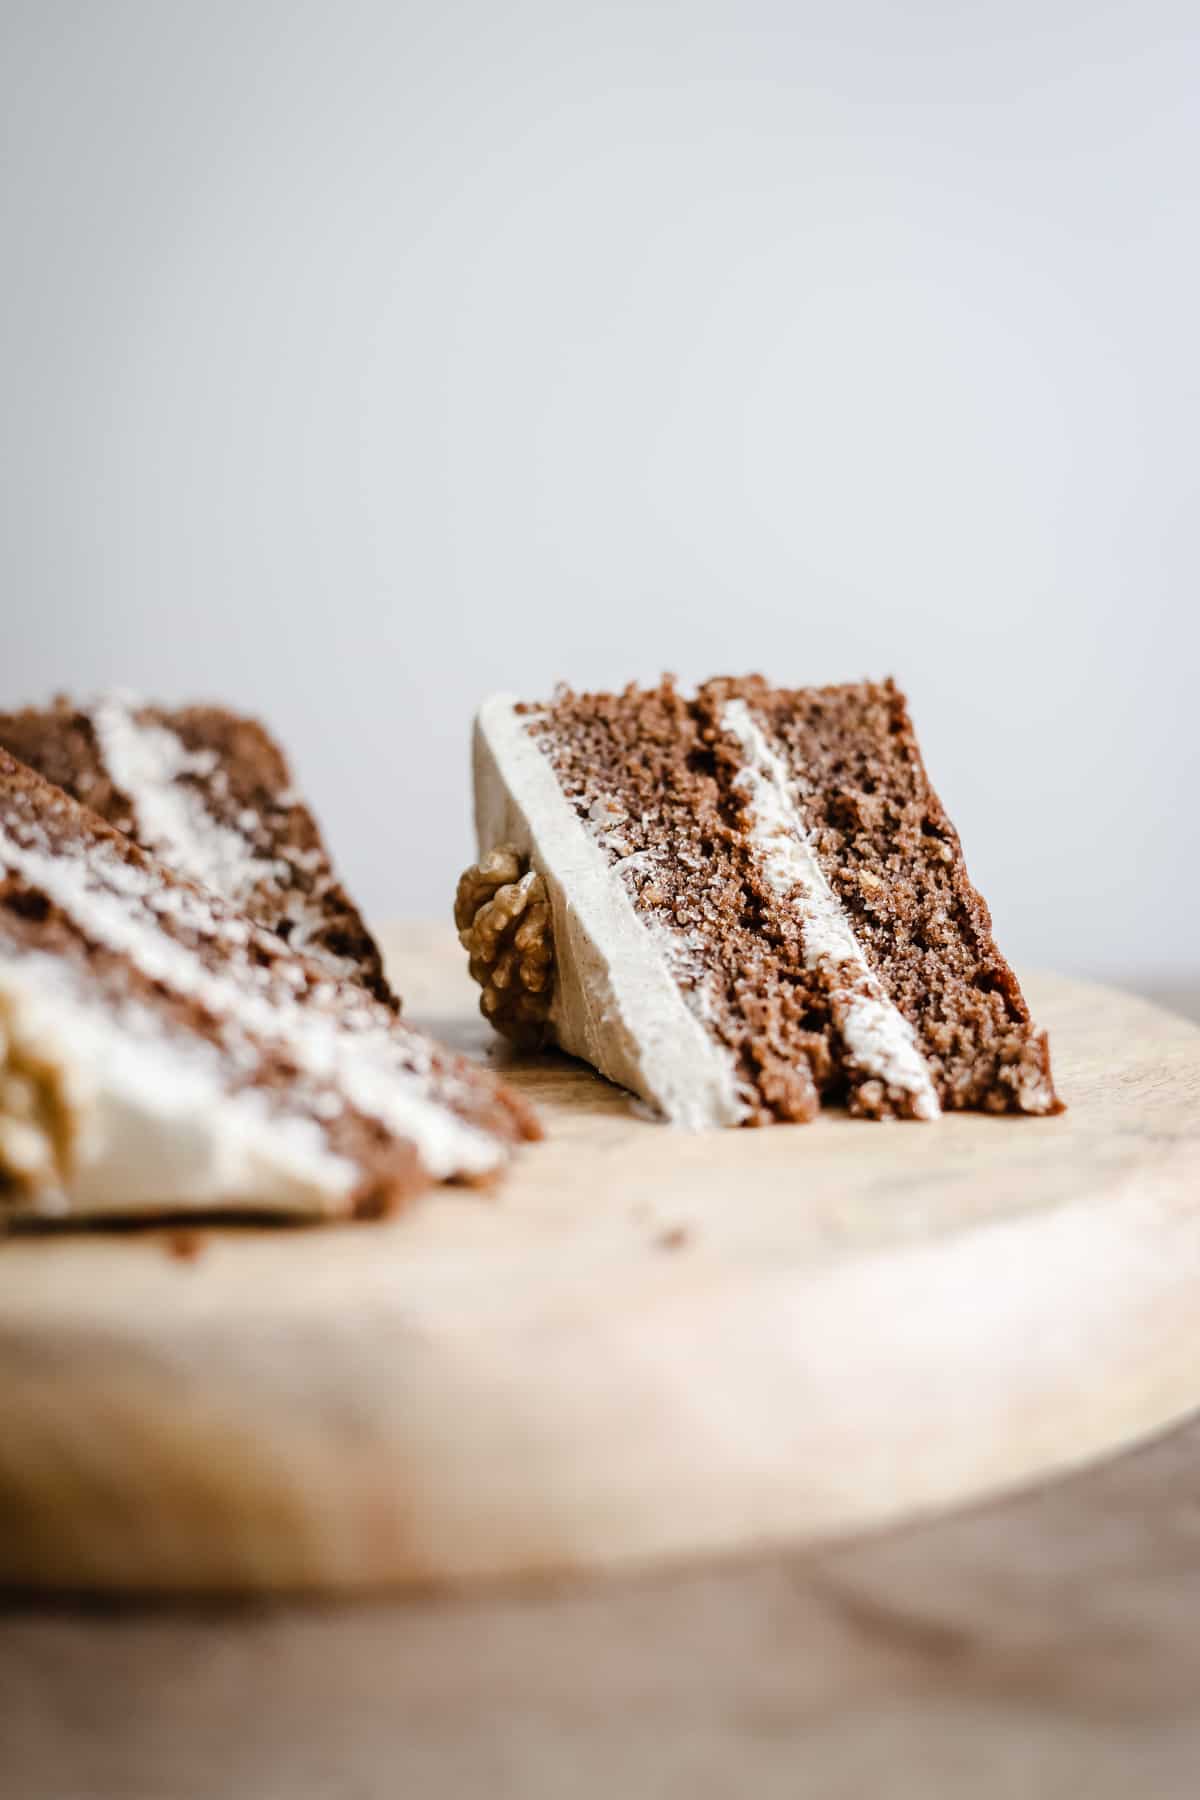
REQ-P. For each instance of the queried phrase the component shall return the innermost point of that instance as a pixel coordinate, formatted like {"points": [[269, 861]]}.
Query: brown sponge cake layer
{"points": [[895, 862], [209, 793], [790, 860]]}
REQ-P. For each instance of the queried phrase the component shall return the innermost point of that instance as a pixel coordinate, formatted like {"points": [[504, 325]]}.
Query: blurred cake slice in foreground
{"points": [[743, 904], [210, 794], [160, 1053]]}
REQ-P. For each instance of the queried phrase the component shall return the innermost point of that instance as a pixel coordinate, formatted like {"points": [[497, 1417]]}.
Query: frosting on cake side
{"points": [[616, 1003]]}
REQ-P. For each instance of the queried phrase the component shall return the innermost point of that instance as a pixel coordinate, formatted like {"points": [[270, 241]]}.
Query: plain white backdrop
{"points": [[361, 358]]}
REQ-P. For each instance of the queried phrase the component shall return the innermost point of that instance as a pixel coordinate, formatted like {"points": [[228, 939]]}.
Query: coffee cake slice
{"points": [[209, 793], [160, 1053], [757, 906]]}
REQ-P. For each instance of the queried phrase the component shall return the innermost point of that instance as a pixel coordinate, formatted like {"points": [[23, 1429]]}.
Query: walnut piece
{"points": [[503, 918], [37, 1120]]}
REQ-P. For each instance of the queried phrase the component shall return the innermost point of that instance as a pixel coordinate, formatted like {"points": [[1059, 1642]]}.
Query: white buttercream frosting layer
{"points": [[876, 1034], [148, 763], [166, 785], [616, 1003]]}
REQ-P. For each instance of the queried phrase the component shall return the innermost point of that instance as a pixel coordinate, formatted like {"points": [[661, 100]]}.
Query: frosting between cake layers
{"points": [[151, 765], [145, 761], [616, 1003], [876, 1034], [379, 1069]]}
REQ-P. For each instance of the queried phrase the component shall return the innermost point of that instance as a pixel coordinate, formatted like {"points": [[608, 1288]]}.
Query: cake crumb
{"points": [[186, 1244], [675, 1237]]}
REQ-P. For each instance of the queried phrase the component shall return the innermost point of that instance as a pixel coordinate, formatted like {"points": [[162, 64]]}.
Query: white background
{"points": [[361, 358]]}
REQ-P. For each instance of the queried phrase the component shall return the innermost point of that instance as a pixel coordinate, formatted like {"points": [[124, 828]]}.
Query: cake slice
{"points": [[210, 794], [161, 1053], [742, 905]]}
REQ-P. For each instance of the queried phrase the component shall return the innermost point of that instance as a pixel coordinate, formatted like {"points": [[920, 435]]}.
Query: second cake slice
{"points": [[160, 1053]]}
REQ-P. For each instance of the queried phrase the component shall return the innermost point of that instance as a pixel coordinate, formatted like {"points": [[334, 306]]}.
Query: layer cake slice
{"points": [[161, 1053], [209, 793], [757, 903]]}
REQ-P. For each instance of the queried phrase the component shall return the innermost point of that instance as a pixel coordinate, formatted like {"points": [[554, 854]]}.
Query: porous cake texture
{"points": [[210, 794], [759, 904], [162, 1053]]}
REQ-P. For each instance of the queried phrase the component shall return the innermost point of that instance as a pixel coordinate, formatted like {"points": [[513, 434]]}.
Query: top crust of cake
{"points": [[160, 1051], [782, 860], [209, 793]]}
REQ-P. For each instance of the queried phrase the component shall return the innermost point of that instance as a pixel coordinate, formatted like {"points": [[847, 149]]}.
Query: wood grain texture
{"points": [[643, 1346], [1043, 1647]]}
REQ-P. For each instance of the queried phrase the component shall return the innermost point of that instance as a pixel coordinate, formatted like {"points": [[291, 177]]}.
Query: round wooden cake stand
{"points": [[643, 1345]]}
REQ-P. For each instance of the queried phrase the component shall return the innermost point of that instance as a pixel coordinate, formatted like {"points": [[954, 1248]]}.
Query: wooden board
{"points": [[1044, 1647], [644, 1345]]}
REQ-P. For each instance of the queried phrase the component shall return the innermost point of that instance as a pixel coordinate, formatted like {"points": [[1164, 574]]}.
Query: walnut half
{"points": [[503, 918], [37, 1120]]}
